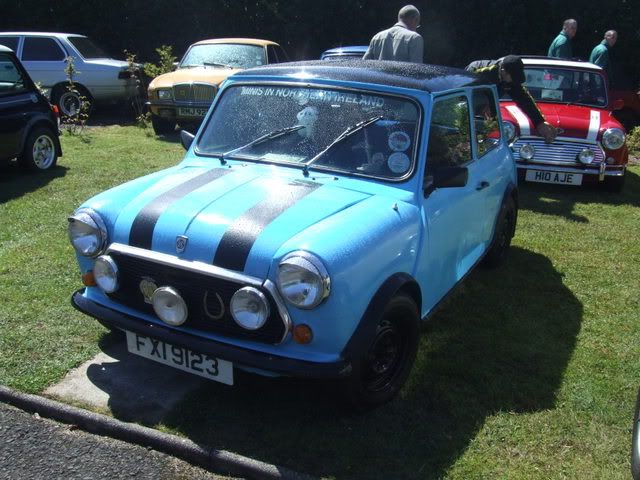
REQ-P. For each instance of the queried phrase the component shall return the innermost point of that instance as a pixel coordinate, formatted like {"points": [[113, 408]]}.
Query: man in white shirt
{"points": [[400, 42]]}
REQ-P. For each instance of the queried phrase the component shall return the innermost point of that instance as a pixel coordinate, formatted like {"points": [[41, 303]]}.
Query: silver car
{"points": [[98, 78]]}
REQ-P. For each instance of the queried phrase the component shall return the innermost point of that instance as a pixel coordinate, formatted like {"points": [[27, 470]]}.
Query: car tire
{"points": [[71, 101], [39, 152], [614, 184], [505, 230], [635, 442], [162, 126], [383, 369]]}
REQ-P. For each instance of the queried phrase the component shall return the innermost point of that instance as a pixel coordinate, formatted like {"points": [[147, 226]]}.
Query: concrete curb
{"points": [[218, 461]]}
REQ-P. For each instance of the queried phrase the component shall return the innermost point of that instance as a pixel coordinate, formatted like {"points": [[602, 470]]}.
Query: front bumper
{"points": [[238, 356], [172, 110], [594, 173]]}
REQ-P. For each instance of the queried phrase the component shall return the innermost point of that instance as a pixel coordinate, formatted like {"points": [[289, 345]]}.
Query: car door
{"points": [[493, 163], [44, 59], [453, 240], [16, 98]]}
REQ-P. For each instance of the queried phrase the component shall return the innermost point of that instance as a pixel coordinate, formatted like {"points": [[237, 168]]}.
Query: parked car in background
{"points": [[591, 143], [28, 123], [98, 78], [184, 96], [344, 53], [320, 214]]}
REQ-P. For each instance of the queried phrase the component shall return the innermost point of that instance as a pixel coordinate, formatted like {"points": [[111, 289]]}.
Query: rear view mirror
{"points": [[186, 139]]}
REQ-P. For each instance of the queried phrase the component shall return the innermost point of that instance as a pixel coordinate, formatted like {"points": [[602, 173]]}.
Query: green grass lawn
{"points": [[528, 371]]}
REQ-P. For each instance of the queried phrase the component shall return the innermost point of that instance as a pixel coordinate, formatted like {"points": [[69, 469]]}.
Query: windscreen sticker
{"points": [[303, 96], [399, 141], [399, 162]]}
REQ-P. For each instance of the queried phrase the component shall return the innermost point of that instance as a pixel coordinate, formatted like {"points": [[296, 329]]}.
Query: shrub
{"points": [[633, 142], [167, 58]]}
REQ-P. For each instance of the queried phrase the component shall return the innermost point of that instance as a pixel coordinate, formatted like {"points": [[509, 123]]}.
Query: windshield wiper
{"points": [[214, 64], [341, 138], [261, 139]]}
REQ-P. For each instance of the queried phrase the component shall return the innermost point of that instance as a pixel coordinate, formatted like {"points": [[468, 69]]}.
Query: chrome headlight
{"points": [[169, 306], [105, 272], [527, 152], [87, 232], [164, 94], [303, 280], [509, 130], [613, 138], [249, 308], [586, 156]]}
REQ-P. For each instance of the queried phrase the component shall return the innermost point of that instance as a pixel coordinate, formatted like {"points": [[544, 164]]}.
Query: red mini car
{"points": [[591, 143]]}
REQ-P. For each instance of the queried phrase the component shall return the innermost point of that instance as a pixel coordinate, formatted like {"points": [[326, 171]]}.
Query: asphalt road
{"points": [[36, 448]]}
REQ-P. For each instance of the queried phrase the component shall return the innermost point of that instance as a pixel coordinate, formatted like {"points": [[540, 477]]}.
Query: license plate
{"points": [[181, 358], [564, 178], [192, 112]]}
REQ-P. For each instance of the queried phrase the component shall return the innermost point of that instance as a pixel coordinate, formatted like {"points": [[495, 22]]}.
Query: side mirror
{"points": [[175, 65], [618, 104], [446, 177], [186, 139]]}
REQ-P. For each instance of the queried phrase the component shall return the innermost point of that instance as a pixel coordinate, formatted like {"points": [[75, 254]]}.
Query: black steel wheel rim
{"points": [[385, 357]]}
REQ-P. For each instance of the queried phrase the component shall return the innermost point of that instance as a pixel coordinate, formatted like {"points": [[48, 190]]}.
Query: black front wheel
{"points": [[383, 369], [162, 126]]}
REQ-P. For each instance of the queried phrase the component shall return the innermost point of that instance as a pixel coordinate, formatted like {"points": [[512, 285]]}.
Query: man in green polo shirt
{"points": [[561, 46], [600, 54]]}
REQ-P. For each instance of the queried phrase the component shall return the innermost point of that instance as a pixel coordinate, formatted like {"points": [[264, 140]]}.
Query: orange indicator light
{"points": [[302, 334], [88, 279]]}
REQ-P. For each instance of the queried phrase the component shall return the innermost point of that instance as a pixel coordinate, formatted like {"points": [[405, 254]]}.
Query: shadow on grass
{"points": [[561, 200], [501, 343], [15, 182]]}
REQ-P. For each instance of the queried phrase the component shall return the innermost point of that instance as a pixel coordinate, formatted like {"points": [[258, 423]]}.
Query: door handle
{"points": [[482, 185]]}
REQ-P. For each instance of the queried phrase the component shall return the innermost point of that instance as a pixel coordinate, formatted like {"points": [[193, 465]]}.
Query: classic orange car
{"points": [[184, 96]]}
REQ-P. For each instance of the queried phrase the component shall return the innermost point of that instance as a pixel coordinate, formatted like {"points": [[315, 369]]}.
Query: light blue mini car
{"points": [[321, 213]]}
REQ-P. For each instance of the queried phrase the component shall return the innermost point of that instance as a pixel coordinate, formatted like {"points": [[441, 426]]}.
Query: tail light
{"points": [[56, 113]]}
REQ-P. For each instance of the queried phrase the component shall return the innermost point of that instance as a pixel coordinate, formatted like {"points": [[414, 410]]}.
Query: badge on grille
{"points": [[219, 308], [147, 287], [181, 243]]}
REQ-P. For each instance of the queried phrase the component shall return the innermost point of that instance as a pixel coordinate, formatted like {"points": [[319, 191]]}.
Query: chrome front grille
{"points": [[557, 153], [194, 92]]}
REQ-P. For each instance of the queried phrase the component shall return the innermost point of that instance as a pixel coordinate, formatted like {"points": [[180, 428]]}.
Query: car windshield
{"points": [[87, 48], [356, 132], [225, 55], [564, 85]]}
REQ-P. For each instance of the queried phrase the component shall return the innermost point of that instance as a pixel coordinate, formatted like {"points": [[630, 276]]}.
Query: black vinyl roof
{"points": [[430, 78]]}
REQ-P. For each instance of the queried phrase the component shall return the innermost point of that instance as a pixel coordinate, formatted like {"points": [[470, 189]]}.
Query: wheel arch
{"points": [[60, 86], [397, 283], [41, 121]]}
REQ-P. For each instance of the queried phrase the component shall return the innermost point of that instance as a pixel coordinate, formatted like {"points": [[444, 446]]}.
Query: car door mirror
{"points": [[446, 177], [186, 139]]}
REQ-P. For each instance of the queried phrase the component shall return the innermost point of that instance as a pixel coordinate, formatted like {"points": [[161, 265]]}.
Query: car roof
{"points": [[245, 41], [43, 34], [351, 49], [559, 62], [430, 78]]}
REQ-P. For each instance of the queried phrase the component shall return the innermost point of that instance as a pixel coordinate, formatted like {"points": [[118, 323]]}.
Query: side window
{"points": [[282, 54], [10, 42], [41, 49], [485, 120], [271, 54], [11, 79], [449, 134]]}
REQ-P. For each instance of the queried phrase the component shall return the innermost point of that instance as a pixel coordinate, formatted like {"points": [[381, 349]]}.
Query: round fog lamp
{"points": [[249, 308], [105, 273], [586, 156], [169, 306], [527, 152]]}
